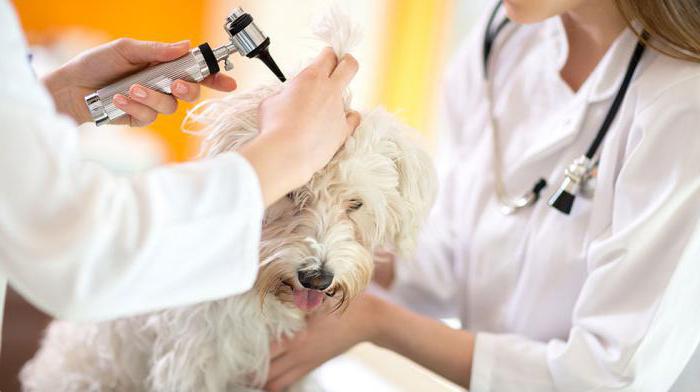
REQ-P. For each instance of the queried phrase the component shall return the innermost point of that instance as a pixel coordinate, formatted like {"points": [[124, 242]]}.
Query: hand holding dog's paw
{"points": [[326, 336]]}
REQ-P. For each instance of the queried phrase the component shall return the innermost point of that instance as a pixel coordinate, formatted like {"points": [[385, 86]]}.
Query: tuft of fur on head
{"points": [[336, 29], [375, 192]]}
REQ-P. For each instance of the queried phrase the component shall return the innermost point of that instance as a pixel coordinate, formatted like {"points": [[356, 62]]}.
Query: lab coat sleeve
{"points": [[635, 324], [84, 244]]}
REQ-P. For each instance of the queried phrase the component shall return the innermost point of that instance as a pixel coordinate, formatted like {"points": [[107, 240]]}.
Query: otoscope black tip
{"points": [[266, 58]]}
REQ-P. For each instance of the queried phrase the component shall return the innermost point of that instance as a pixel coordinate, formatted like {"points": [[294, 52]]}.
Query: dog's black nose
{"points": [[315, 280]]}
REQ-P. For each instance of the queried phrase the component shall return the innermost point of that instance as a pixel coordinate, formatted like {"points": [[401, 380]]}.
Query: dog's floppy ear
{"points": [[416, 180], [227, 123]]}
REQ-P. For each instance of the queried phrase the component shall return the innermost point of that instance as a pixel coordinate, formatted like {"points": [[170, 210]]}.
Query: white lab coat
{"points": [[83, 244], [607, 298]]}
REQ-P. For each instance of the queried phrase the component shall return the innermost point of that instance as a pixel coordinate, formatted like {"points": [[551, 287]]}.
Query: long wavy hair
{"points": [[673, 26]]}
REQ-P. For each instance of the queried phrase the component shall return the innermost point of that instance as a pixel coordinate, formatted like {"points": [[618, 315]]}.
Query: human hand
{"points": [[325, 336], [430, 343], [303, 126], [104, 64], [384, 268], [311, 109]]}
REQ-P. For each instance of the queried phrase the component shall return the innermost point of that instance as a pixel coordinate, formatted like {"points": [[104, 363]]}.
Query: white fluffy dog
{"points": [[317, 246]]}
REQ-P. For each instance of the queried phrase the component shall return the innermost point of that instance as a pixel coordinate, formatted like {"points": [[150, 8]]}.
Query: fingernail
{"points": [[138, 92], [180, 88], [227, 83], [181, 43], [120, 100]]}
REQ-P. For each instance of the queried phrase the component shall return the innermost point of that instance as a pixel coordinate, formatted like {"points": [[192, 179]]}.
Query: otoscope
{"points": [[246, 39]]}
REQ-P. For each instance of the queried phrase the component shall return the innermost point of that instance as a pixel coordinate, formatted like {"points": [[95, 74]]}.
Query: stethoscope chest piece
{"points": [[510, 206], [589, 182], [579, 179], [515, 205]]}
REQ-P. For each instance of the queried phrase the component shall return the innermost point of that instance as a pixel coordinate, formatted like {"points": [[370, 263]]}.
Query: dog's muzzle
{"points": [[315, 279]]}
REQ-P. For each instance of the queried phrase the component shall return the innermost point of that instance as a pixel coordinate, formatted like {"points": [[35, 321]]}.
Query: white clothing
{"points": [[606, 298], [83, 244]]}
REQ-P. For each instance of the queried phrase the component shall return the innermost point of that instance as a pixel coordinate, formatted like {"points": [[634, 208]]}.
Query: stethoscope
{"points": [[580, 175]]}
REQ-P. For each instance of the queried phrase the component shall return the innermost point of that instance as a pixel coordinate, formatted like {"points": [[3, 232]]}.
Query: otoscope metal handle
{"points": [[192, 67], [245, 38]]}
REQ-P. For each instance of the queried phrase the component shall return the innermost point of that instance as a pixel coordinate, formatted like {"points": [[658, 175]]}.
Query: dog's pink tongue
{"points": [[307, 300]]}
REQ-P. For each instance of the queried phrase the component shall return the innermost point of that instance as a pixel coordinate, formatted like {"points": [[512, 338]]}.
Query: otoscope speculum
{"points": [[249, 40]]}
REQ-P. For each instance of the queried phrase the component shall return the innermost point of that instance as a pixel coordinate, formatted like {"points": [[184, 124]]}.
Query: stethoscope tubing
{"points": [[579, 169]]}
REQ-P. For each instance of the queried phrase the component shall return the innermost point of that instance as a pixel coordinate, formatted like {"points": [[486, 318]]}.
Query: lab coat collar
{"points": [[601, 85], [607, 76], [555, 37], [563, 130]]}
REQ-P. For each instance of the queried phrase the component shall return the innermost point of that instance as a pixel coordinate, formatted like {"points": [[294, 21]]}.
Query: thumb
{"points": [[144, 52], [353, 119]]}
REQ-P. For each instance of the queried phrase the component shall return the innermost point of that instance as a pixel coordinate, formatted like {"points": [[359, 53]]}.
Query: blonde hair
{"points": [[673, 26]]}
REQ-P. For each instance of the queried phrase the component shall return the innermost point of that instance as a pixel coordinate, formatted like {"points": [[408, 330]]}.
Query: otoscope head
{"points": [[249, 40]]}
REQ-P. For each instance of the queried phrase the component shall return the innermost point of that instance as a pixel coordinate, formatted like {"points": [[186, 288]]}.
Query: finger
{"points": [[345, 71], [139, 114], [220, 82], [383, 256], [284, 381], [353, 119], [185, 90], [161, 103], [144, 52], [325, 62], [283, 363], [277, 348]]}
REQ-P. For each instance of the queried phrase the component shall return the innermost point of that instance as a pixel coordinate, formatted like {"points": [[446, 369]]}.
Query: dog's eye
{"points": [[354, 205], [290, 196]]}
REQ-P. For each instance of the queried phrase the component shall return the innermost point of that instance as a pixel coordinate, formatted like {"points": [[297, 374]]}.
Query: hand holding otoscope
{"points": [[101, 65], [147, 92], [245, 38]]}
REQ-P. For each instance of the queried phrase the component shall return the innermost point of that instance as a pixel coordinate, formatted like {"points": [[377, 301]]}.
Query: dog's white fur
{"points": [[375, 191]]}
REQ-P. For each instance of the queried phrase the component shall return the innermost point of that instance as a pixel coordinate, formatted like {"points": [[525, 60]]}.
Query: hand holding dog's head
{"points": [[374, 192]]}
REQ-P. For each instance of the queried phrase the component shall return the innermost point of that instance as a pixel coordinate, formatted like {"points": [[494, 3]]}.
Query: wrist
{"points": [[280, 168], [293, 149], [58, 83], [374, 319]]}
